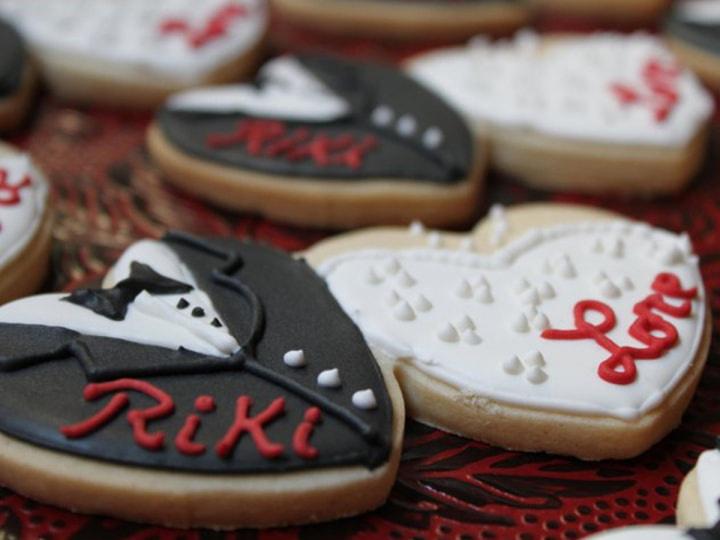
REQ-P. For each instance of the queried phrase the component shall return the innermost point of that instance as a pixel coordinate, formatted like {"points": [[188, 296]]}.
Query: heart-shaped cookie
{"points": [[595, 113], [135, 53], [554, 328], [323, 141], [210, 383]]}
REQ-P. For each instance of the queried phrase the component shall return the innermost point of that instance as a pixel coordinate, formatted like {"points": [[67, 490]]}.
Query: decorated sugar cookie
{"points": [[211, 383], [135, 52], [598, 113], [657, 532], [416, 20], [693, 29], [699, 501], [550, 328], [16, 78], [321, 141], [25, 225]]}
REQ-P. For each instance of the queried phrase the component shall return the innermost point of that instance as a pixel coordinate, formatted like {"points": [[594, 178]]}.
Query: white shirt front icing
{"points": [[150, 319], [565, 88], [708, 477], [19, 222], [129, 33], [474, 321]]}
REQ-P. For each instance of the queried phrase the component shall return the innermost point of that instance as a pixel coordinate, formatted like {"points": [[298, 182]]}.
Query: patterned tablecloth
{"points": [[107, 194]]}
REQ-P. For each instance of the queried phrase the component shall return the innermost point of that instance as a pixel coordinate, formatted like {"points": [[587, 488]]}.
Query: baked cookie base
{"points": [[407, 21], [621, 12], [703, 63], [504, 424], [98, 84], [184, 500], [320, 203], [14, 108]]}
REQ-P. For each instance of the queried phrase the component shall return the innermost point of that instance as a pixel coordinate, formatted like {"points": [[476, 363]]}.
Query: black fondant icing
{"points": [[365, 86], [271, 304]]}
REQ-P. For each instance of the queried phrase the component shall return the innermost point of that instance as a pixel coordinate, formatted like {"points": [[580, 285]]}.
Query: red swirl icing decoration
{"points": [[271, 138], [214, 28], [643, 329], [661, 81], [10, 195]]}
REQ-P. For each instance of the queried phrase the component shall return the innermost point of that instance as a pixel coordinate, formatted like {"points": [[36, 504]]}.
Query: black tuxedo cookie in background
{"points": [[320, 141], [17, 79], [411, 20], [219, 375], [693, 30]]}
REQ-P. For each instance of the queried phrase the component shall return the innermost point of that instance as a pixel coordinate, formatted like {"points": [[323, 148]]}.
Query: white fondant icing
{"points": [[571, 382], [289, 92], [20, 222], [126, 36], [708, 477], [565, 89]]}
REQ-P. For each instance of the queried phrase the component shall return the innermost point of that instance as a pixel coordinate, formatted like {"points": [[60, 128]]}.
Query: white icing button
{"points": [[465, 323], [435, 240], [546, 290], [382, 116], [540, 322], [405, 279], [421, 303], [433, 137], [392, 298], [403, 312], [416, 228], [464, 290], [609, 289], [294, 358], [536, 375], [470, 337], [372, 277], [512, 366], [520, 324], [534, 358], [392, 266], [448, 334], [330, 378], [364, 399], [407, 125], [483, 295]]}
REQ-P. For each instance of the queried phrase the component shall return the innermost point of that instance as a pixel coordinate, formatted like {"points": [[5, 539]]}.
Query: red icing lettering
{"points": [[271, 138], [10, 194], [214, 28], [657, 334], [184, 441], [661, 95], [253, 426], [301, 437], [137, 418]]}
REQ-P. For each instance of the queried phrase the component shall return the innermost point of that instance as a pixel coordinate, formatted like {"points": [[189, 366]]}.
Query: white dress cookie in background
{"points": [[574, 331], [693, 30], [699, 501], [412, 20], [598, 113], [25, 225], [135, 52]]}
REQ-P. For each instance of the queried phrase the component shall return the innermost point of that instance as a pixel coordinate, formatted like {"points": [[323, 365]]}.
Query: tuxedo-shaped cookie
{"points": [[16, 77], [352, 140], [200, 357], [694, 31]]}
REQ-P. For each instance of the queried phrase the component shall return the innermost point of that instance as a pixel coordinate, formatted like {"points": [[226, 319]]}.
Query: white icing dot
{"points": [[392, 266], [520, 324], [464, 290], [685, 245], [671, 256], [540, 322], [600, 277], [483, 295], [416, 228], [536, 375], [617, 248], [597, 246], [566, 268], [372, 277], [421, 303], [294, 358], [364, 399], [330, 378], [546, 290], [609, 289], [480, 282], [521, 285], [546, 267], [465, 323], [534, 358], [471, 338], [435, 239], [433, 137], [448, 334], [405, 279], [512, 366], [382, 116], [403, 312], [407, 125], [530, 297], [392, 298], [627, 284]]}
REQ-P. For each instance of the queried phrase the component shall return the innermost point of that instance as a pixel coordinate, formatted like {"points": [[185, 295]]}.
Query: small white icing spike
{"points": [[513, 366], [403, 312], [422, 304], [364, 399], [448, 334], [294, 358], [464, 290], [520, 324], [483, 295], [330, 378], [534, 358], [536, 375], [471, 338]]}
